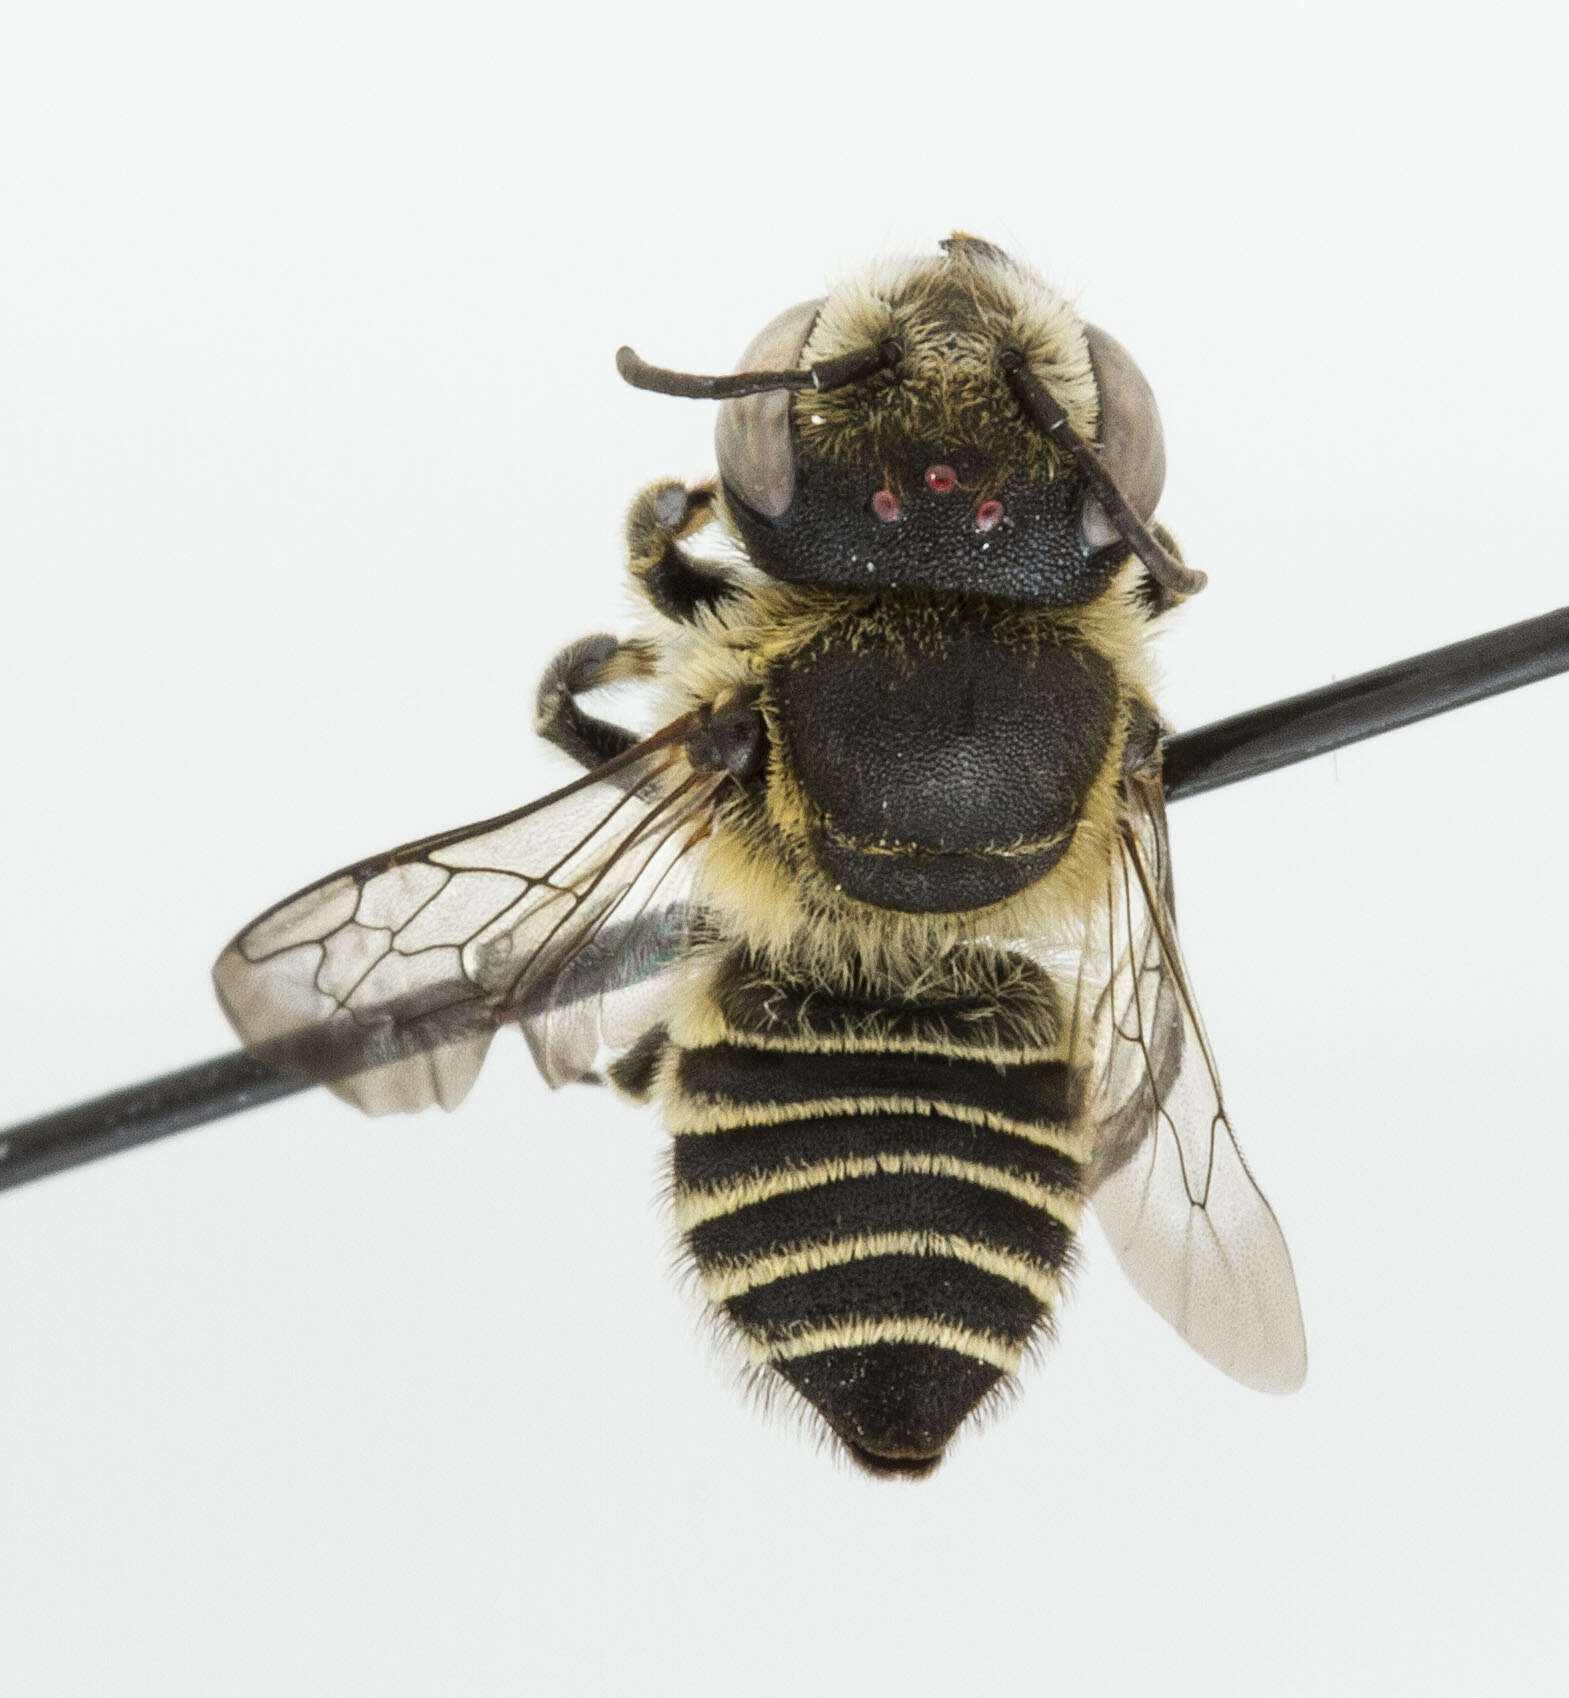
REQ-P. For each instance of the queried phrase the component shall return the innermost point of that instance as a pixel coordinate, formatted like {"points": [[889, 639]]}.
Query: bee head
{"points": [[949, 424]]}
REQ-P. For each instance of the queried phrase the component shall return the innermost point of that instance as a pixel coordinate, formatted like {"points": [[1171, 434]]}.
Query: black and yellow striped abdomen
{"points": [[879, 1190]]}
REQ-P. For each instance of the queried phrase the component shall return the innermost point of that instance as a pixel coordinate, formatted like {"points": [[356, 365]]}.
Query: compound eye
{"points": [[753, 439], [1131, 442]]}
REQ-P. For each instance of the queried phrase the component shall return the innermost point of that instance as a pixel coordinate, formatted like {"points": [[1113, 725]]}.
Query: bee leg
{"points": [[636, 1072], [1141, 749], [1154, 598], [678, 586], [583, 666]]}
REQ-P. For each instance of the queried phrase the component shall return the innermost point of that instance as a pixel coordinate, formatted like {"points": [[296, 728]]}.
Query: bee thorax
{"points": [[942, 769]]}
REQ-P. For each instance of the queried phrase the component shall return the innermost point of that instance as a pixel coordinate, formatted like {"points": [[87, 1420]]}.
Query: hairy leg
{"points": [[678, 586], [580, 667]]}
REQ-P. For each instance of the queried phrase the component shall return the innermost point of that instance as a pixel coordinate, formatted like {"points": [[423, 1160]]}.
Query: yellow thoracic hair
{"points": [[760, 874]]}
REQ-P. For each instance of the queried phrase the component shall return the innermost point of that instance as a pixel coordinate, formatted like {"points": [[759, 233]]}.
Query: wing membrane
{"points": [[1191, 1228], [387, 981]]}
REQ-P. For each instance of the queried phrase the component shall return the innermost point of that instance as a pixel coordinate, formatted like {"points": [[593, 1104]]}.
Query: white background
{"points": [[311, 452]]}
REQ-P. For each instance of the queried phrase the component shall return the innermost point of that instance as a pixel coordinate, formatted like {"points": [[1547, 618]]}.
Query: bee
{"points": [[882, 918]]}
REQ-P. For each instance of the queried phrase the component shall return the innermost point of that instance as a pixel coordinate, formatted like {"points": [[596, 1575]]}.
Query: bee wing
{"points": [[387, 980], [615, 987], [1189, 1225]]}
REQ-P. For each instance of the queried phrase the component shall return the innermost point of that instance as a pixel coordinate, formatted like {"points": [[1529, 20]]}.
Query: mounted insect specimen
{"points": [[882, 918]]}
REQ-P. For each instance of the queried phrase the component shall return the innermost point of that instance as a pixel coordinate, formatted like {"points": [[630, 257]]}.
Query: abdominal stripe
{"points": [[887, 1228], [839, 1226]]}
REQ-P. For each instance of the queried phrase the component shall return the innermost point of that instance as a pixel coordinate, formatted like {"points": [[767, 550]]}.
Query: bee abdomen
{"points": [[886, 1229]]}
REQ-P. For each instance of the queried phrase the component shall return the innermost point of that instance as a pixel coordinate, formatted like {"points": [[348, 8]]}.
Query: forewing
{"points": [[1192, 1230], [387, 981]]}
